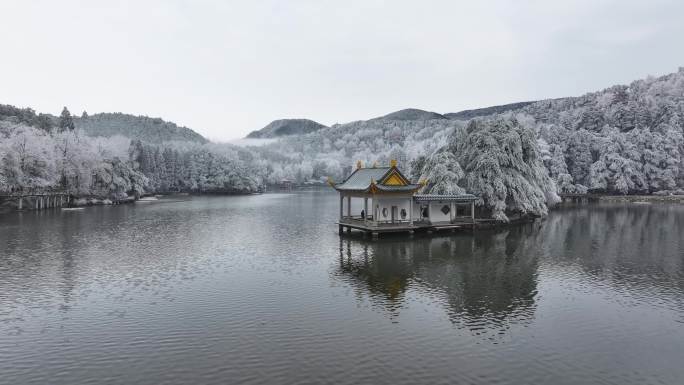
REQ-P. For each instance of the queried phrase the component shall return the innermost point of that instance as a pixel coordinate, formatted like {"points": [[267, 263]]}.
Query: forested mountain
{"points": [[150, 130], [626, 139], [478, 112], [333, 150], [27, 116], [412, 114], [416, 114], [285, 127]]}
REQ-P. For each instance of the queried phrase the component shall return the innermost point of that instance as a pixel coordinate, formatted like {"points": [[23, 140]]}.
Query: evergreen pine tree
{"points": [[66, 122], [44, 122]]}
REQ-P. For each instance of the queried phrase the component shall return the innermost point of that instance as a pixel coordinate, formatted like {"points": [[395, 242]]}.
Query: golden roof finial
{"points": [[330, 182], [393, 163], [359, 164]]}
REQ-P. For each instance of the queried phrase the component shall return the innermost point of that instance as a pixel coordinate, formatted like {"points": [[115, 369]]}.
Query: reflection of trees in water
{"points": [[486, 280], [489, 279], [383, 275], [56, 259], [23, 271], [639, 248], [492, 282]]}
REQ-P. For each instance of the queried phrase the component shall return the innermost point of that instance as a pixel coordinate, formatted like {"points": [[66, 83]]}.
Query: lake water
{"points": [[262, 290]]}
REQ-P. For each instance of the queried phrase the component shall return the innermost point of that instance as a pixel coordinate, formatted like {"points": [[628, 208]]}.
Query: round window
{"points": [[403, 214], [384, 212]]}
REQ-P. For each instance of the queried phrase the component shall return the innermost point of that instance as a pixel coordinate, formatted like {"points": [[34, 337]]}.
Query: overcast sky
{"points": [[225, 68]]}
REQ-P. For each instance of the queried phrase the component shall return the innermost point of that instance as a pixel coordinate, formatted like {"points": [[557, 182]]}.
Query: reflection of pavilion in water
{"points": [[488, 279]]}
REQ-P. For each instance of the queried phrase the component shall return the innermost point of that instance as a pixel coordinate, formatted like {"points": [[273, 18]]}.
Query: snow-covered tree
{"points": [[499, 161], [442, 173]]}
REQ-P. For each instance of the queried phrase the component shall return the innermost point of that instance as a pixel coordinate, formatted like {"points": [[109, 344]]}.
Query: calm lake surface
{"points": [[262, 290]]}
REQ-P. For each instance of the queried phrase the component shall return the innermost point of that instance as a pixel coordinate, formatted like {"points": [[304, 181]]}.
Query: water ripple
{"points": [[260, 289]]}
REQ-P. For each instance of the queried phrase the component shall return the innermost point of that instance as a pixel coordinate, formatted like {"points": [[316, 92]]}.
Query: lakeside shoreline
{"points": [[633, 198], [6, 207], [9, 204]]}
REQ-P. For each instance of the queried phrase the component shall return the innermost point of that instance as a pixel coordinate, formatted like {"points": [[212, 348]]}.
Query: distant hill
{"points": [[285, 127], [478, 112], [151, 130], [413, 114], [27, 116]]}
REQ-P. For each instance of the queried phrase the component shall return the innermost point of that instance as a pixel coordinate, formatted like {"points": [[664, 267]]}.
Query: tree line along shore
{"points": [[626, 140]]}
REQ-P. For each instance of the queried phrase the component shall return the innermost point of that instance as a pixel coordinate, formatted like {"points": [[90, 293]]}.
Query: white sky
{"points": [[224, 68]]}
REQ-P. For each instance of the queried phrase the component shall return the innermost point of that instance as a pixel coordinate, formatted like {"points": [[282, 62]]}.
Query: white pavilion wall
{"points": [[436, 214], [387, 203]]}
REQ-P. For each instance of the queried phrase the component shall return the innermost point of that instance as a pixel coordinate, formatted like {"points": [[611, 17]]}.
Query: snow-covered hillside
{"points": [[151, 130], [413, 114], [39, 152], [285, 127], [624, 139]]}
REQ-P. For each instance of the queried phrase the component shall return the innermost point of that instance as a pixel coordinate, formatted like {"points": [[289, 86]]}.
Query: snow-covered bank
{"points": [[643, 198], [94, 201]]}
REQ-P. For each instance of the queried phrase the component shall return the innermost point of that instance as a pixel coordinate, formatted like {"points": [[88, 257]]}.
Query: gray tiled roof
{"points": [[409, 187], [445, 198], [360, 179]]}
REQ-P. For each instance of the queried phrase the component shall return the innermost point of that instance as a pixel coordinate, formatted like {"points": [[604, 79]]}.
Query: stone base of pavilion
{"points": [[375, 228]]}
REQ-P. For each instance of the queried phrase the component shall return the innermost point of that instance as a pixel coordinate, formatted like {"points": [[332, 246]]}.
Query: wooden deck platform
{"points": [[403, 227], [36, 200]]}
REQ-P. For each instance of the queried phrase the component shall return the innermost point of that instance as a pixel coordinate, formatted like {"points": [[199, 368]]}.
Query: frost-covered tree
{"points": [[442, 173], [498, 160], [554, 160]]}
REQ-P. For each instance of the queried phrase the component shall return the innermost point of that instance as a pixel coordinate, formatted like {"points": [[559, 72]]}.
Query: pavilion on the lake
{"points": [[383, 199]]}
